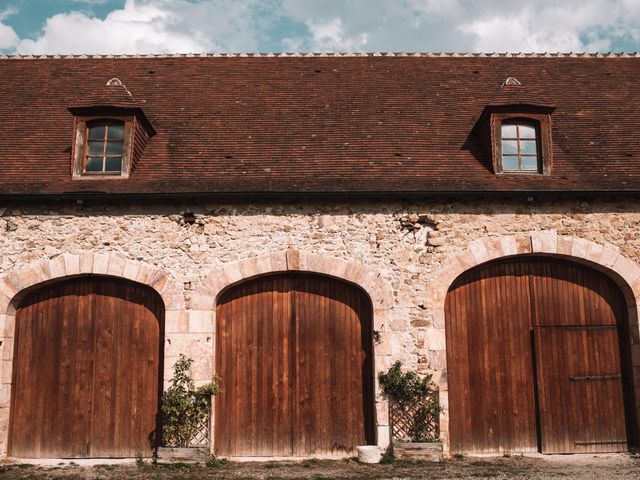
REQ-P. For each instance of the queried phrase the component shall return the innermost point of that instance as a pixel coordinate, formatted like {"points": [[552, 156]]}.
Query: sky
{"points": [[209, 26]]}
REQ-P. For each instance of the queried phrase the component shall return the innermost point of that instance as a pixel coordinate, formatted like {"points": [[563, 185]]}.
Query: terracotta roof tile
{"points": [[322, 123]]}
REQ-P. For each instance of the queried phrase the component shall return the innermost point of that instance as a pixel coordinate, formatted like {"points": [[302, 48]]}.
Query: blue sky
{"points": [[183, 26]]}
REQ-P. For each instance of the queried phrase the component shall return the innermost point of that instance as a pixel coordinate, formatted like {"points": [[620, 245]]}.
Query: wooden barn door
{"points": [[294, 355], [87, 367], [535, 353], [578, 322]]}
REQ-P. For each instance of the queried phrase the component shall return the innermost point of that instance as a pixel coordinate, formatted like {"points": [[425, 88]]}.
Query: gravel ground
{"points": [[567, 467]]}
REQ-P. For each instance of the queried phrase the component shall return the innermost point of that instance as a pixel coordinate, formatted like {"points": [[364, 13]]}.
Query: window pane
{"points": [[113, 164], [116, 132], [527, 131], [509, 131], [94, 164], [96, 133], [114, 148], [528, 147], [530, 163], [509, 146], [510, 162], [96, 148]]}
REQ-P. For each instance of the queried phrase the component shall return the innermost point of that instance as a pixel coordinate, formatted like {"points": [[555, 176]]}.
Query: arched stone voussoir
{"points": [[293, 260], [14, 285], [604, 257]]}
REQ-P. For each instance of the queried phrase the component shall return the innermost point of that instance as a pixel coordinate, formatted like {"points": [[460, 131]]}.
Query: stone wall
{"points": [[404, 243]]}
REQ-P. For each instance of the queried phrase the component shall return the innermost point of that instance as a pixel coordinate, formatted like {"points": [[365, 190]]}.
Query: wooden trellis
{"points": [[201, 437], [403, 419]]}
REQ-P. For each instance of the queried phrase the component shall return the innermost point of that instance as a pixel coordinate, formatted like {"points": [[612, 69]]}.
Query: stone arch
{"points": [[15, 285], [374, 285], [605, 258]]}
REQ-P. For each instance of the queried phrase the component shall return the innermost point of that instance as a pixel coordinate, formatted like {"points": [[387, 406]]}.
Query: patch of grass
{"points": [[215, 462], [271, 465], [24, 465], [458, 455], [310, 463], [506, 454]]}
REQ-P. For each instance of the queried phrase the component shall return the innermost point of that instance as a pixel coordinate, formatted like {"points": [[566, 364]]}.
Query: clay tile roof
{"points": [[265, 123]]}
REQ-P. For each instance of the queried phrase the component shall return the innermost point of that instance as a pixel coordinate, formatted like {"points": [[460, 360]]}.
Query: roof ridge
{"points": [[339, 54]]}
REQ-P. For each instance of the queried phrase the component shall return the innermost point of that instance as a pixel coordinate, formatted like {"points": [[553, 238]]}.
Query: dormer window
{"points": [[520, 151], [104, 147], [521, 143]]}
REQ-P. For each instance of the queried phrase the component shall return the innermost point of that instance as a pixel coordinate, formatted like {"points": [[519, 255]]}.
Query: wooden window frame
{"points": [[541, 123], [79, 154]]}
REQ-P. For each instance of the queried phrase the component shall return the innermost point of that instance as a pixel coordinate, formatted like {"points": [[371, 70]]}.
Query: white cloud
{"points": [[330, 36], [150, 26], [8, 37]]}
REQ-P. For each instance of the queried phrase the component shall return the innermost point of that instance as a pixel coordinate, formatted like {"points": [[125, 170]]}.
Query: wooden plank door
{"points": [[254, 360], [333, 376], [580, 389], [86, 370], [294, 355], [490, 362]]}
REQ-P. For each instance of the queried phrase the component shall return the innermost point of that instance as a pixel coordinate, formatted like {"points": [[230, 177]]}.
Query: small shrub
{"points": [[408, 389], [140, 462], [387, 458], [458, 455], [215, 462], [184, 406]]}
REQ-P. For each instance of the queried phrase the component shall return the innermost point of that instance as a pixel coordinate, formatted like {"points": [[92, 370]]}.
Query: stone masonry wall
{"points": [[405, 242]]}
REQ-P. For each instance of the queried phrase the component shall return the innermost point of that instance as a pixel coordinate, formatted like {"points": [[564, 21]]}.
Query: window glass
{"points": [[94, 164], [519, 147], [104, 149], [113, 164], [510, 162], [530, 163], [509, 131]]}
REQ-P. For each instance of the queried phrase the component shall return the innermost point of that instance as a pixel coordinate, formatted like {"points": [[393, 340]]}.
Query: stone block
{"points": [[565, 245], [627, 269], [6, 347], [57, 267], [279, 261], [544, 242], [130, 270], [5, 395], [523, 244], [437, 317], [232, 272], [263, 264], [609, 255], [86, 262], [382, 413], [200, 321], [71, 264], [509, 245], [8, 324], [479, 251], [435, 339], [191, 344], [494, 247], [175, 321], [248, 267], [384, 436], [100, 263], [7, 371], [579, 248]]}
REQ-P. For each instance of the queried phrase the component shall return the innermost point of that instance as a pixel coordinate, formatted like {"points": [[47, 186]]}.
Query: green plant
{"points": [[387, 458], [416, 396], [140, 463], [215, 462], [184, 406]]}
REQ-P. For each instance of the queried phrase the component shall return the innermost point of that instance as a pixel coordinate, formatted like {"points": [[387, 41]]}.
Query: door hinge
{"points": [[589, 378]]}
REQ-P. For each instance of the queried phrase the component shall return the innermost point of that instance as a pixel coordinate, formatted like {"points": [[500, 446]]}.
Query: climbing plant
{"points": [[184, 406], [414, 404]]}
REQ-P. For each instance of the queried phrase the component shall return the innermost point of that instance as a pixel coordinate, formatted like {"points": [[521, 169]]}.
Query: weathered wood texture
{"points": [[87, 369], [509, 391], [294, 353], [431, 451]]}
